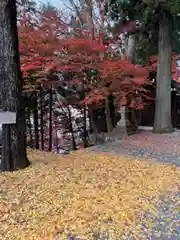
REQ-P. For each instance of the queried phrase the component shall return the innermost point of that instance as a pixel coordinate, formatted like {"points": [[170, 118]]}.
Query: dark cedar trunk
{"points": [[13, 140], [57, 140], [93, 126], [41, 118], [36, 124], [50, 119], [90, 121], [162, 123], [21, 131], [112, 110], [85, 133], [71, 129], [93, 122], [108, 116]]}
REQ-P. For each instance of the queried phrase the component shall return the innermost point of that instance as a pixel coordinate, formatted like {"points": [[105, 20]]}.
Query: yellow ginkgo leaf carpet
{"points": [[81, 193]]}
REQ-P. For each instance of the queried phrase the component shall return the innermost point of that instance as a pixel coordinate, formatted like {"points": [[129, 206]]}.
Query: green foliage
{"points": [[173, 6], [148, 12], [146, 46], [123, 8]]}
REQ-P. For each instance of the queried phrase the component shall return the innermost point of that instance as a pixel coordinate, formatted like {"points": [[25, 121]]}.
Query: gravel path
{"points": [[165, 149], [167, 223], [139, 152], [164, 226]]}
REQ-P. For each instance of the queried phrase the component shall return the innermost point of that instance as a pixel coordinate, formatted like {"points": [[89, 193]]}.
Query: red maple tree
{"points": [[38, 44], [152, 66], [46, 49]]}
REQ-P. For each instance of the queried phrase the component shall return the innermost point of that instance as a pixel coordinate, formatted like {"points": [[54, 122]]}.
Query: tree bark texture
{"points": [[162, 123], [85, 132], [30, 128], [108, 116], [13, 141], [41, 118], [71, 129], [131, 48], [50, 119], [125, 123], [36, 123]]}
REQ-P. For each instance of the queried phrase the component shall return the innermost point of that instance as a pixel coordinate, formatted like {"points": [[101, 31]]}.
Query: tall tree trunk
{"points": [[36, 123], [41, 118], [162, 123], [50, 119], [108, 116], [13, 141]]}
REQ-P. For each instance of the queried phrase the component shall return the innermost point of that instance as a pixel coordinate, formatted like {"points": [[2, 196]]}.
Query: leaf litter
{"points": [[84, 193]]}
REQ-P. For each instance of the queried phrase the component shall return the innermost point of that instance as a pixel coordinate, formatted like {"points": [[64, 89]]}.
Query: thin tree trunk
{"points": [[93, 126], [131, 48], [90, 121], [30, 127], [13, 140], [85, 133], [71, 129], [57, 139], [93, 123], [41, 119], [30, 133], [36, 124], [21, 133], [50, 119], [108, 116], [163, 123]]}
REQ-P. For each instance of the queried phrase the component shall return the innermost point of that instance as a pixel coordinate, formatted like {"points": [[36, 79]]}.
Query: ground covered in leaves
{"points": [[86, 194], [163, 148]]}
